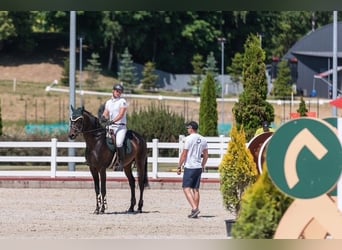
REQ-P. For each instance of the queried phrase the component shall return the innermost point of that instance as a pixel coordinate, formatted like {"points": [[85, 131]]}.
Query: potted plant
{"points": [[237, 172]]}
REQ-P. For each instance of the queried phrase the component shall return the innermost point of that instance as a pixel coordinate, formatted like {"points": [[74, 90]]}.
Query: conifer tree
{"points": [[252, 107], [127, 72], [302, 110], [149, 81], [197, 64], [262, 207], [208, 108], [94, 69], [235, 69], [237, 170], [282, 86], [211, 67]]}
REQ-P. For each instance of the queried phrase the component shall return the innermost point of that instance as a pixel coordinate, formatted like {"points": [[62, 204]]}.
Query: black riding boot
{"points": [[121, 155]]}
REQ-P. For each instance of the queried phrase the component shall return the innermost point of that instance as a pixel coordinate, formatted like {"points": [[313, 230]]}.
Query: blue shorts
{"points": [[192, 178]]}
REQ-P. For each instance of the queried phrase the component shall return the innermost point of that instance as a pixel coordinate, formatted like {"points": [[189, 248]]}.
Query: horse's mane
{"points": [[95, 121]]}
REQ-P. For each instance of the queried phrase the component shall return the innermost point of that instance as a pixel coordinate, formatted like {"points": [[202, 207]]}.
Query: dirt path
{"points": [[67, 214]]}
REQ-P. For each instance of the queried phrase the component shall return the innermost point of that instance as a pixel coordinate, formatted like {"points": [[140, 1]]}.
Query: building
{"points": [[311, 62]]}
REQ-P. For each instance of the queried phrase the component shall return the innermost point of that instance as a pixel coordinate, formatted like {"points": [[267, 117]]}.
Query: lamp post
{"points": [[222, 40], [80, 80]]}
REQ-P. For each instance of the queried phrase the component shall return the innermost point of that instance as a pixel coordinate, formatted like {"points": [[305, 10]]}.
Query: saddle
{"points": [[127, 142], [127, 145]]}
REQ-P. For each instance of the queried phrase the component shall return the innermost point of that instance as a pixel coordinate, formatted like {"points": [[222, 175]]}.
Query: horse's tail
{"points": [[146, 184]]}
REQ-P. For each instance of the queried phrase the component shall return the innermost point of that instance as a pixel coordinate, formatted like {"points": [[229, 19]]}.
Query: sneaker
{"points": [[194, 213]]}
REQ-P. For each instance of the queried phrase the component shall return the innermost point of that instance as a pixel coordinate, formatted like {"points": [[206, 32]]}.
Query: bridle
{"points": [[77, 129], [74, 127]]}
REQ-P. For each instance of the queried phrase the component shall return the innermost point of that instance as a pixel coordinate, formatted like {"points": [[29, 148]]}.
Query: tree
{"points": [[262, 207], [302, 110], [93, 69], [197, 64], [235, 69], [252, 107], [237, 171], [7, 28], [282, 86], [211, 68], [111, 32], [66, 71], [127, 72], [149, 81], [208, 108]]}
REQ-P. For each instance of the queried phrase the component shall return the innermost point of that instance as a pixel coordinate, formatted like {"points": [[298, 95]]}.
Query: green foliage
{"points": [[208, 108], [262, 208], [66, 72], [7, 28], [149, 81], [252, 107], [235, 69], [94, 69], [211, 68], [127, 72], [237, 171], [302, 110], [0, 120], [197, 64], [282, 86], [157, 121], [171, 38]]}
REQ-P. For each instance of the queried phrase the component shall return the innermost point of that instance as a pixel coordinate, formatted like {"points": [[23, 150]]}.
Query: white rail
{"points": [[217, 148]]}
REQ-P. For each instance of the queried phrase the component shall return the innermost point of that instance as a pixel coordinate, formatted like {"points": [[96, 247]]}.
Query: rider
{"points": [[115, 112]]}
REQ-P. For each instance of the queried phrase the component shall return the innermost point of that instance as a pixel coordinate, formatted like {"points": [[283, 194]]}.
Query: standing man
{"points": [[193, 159], [115, 111]]}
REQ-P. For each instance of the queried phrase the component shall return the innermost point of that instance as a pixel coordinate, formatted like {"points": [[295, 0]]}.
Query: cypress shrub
{"points": [[237, 171], [262, 207], [208, 108]]}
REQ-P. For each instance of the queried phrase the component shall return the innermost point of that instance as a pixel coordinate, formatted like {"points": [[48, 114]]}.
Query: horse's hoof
{"points": [[96, 212]]}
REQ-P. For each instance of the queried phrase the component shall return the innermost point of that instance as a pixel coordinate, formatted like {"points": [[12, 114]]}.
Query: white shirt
{"points": [[195, 144], [114, 105]]}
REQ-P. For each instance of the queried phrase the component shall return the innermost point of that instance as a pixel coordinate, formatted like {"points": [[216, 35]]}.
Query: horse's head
{"points": [[76, 122]]}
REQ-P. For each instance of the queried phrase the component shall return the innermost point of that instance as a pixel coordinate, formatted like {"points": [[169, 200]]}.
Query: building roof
{"points": [[318, 43]]}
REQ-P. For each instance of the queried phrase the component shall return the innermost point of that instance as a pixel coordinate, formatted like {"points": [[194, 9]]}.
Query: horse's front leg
{"points": [[131, 181], [96, 180], [103, 203]]}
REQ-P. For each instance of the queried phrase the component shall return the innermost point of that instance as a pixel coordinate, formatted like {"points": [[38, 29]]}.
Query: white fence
{"points": [[217, 148]]}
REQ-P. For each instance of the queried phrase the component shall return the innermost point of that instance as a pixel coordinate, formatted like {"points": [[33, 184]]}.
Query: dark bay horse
{"points": [[99, 156]]}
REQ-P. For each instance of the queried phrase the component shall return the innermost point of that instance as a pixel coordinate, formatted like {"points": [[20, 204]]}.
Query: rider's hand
{"points": [[103, 121]]}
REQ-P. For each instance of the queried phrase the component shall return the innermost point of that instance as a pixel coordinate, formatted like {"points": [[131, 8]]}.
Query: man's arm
{"points": [[204, 157], [182, 160]]}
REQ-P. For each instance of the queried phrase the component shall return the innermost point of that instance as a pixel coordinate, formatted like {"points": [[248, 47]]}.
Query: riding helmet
{"points": [[118, 87]]}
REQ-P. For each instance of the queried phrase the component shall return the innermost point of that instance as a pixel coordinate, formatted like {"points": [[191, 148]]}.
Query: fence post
{"points": [[155, 154], [53, 157], [181, 139]]}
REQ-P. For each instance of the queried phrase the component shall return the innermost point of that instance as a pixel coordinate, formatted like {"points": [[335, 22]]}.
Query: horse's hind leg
{"points": [[142, 183], [131, 181]]}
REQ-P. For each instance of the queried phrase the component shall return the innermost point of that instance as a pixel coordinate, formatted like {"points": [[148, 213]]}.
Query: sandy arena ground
{"points": [[68, 214]]}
